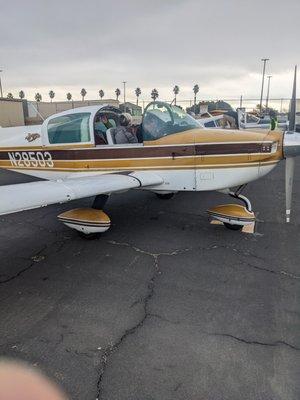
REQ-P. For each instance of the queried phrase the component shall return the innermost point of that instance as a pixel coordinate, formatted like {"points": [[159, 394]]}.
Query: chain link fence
{"points": [[281, 105]]}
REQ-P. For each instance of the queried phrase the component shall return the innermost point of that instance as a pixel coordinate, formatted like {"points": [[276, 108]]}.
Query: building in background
{"points": [[15, 112], [12, 112]]}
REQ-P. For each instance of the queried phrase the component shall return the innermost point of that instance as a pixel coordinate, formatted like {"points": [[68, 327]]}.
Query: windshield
{"points": [[181, 118], [161, 119]]}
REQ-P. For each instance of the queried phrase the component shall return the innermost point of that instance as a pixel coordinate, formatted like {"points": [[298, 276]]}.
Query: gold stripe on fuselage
{"points": [[144, 168], [183, 162]]}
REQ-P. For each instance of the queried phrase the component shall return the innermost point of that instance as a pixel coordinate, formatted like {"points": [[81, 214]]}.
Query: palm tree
{"points": [[118, 92], [38, 97], [138, 92], [51, 95], [21, 94], [176, 91], [101, 93], [195, 90], [69, 98], [83, 93], [154, 94], [10, 96]]}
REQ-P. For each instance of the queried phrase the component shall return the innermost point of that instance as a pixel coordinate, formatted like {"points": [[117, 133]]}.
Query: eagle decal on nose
{"points": [[32, 136]]}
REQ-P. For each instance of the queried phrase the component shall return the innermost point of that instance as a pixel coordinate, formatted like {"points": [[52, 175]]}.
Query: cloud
{"points": [[66, 45]]}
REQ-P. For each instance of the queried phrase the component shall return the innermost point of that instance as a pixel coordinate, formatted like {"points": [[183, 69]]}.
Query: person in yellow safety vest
{"points": [[273, 120]]}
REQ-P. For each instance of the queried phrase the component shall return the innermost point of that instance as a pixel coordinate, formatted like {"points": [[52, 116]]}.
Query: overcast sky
{"points": [[69, 44]]}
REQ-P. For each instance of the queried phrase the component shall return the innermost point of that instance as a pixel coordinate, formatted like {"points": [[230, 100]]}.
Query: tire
{"points": [[90, 236], [164, 196], [233, 227]]}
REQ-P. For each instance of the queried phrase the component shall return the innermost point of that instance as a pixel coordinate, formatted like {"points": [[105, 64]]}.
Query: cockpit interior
{"points": [[106, 118]]}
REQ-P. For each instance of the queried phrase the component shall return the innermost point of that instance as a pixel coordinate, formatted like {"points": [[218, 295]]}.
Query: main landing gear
{"points": [[234, 216], [89, 222]]}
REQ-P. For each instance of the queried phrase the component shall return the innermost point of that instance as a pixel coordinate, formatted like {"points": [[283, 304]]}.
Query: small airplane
{"points": [[172, 152], [249, 120]]}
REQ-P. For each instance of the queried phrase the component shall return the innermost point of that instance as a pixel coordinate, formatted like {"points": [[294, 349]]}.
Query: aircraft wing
{"points": [[25, 196]]}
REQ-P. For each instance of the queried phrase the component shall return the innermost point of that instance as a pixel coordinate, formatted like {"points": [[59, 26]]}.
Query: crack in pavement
{"points": [[112, 347], [150, 292], [146, 314], [255, 342], [271, 271], [145, 301], [247, 254], [30, 265], [154, 255], [79, 353], [36, 258]]}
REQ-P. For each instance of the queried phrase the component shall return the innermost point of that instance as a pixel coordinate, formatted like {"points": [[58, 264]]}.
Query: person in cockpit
{"points": [[101, 125], [122, 134], [151, 127]]}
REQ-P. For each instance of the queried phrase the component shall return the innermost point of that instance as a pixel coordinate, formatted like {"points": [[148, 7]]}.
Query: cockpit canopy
{"points": [[161, 119], [89, 125]]}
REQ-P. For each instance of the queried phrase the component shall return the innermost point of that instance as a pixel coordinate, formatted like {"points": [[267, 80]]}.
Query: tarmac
{"points": [[163, 306]]}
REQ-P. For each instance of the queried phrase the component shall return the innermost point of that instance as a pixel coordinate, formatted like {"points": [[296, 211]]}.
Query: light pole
{"points": [[124, 94], [1, 91], [262, 83], [268, 91]]}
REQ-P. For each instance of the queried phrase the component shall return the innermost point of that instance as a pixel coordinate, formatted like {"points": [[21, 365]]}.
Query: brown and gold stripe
{"points": [[111, 153]]}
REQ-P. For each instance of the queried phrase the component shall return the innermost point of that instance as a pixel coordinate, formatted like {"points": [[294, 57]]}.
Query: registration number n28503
{"points": [[32, 159]]}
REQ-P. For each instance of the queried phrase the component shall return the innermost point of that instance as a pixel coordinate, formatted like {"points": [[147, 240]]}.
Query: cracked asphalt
{"points": [[162, 306]]}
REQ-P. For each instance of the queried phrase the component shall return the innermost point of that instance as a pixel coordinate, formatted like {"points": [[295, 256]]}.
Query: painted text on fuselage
{"points": [[31, 159]]}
